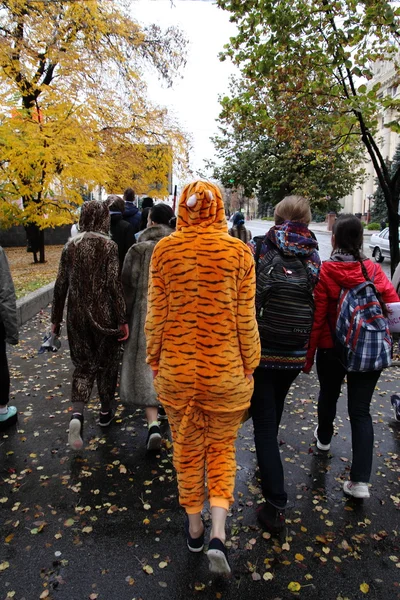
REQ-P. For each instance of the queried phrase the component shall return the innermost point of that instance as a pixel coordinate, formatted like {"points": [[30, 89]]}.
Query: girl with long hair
{"points": [[346, 268]]}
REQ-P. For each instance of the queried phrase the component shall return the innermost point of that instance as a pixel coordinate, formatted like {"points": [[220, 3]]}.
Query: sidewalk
{"points": [[316, 227], [322, 228], [105, 524]]}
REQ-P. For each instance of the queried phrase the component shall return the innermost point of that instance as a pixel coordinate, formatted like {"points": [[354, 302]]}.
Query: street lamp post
{"points": [[369, 198]]}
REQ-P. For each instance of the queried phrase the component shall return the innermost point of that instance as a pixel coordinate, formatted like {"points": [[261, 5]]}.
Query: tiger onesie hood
{"points": [[201, 331], [201, 206]]}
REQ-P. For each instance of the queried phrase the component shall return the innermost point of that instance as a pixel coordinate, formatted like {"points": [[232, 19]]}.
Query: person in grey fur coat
{"points": [[136, 385]]}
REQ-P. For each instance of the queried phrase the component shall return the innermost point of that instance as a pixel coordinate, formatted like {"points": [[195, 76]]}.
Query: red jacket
{"points": [[334, 276]]}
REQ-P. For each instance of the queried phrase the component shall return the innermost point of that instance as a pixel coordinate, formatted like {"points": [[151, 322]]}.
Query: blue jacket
{"points": [[133, 215]]}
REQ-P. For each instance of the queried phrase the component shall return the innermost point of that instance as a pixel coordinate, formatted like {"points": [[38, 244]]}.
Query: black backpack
{"points": [[284, 301]]}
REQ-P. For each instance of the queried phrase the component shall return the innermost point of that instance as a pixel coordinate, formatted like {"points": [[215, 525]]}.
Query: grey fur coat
{"points": [[136, 387]]}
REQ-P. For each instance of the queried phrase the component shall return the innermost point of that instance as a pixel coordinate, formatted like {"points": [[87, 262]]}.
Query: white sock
{"points": [[4, 410], [153, 423]]}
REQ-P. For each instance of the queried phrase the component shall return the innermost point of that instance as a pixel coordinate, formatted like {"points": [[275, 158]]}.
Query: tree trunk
{"points": [[393, 236], [41, 247]]}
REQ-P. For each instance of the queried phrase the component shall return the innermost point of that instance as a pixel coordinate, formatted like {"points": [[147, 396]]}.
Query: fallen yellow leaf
{"points": [[199, 587], [294, 586], [299, 557], [148, 569], [364, 587], [69, 522]]}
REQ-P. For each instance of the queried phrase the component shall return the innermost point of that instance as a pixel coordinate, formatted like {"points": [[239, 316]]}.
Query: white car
{"points": [[379, 244]]}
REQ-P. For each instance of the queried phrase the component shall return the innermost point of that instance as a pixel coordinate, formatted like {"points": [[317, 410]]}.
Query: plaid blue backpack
{"points": [[362, 331]]}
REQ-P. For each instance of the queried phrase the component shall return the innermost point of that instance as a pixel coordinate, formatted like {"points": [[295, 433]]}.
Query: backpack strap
{"points": [[259, 242]]}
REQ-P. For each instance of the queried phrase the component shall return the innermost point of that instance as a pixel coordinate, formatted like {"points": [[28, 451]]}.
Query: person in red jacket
{"points": [[346, 268]]}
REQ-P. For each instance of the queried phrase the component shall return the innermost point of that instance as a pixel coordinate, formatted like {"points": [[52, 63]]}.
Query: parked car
{"points": [[379, 244]]}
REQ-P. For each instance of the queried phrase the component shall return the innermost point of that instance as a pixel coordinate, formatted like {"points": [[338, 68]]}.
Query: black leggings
{"points": [[270, 389], [360, 387]]}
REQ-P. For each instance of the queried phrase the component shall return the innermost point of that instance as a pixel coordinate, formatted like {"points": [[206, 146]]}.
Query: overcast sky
{"points": [[194, 99]]}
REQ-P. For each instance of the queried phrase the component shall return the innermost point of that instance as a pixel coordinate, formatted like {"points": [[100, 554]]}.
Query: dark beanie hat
{"points": [[147, 202], [238, 219]]}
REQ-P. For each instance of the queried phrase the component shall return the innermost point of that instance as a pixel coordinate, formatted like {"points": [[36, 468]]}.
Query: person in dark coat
{"points": [[239, 230], [131, 213], [96, 314], [9, 334], [122, 232], [147, 202], [34, 238]]}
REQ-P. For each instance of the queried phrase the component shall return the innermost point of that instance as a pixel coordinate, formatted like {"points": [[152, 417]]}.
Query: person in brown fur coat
{"points": [[96, 314]]}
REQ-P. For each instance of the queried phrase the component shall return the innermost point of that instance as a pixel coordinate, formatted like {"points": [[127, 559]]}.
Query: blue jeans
{"points": [[270, 389], [360, 387]]}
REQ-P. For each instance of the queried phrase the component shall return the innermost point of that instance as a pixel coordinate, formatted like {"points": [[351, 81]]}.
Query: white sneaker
{"points": [[75, 432], [357, 489], [320, 446]]}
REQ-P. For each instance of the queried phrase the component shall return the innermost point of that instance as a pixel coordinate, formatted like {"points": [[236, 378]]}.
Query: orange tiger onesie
{"points": [[202, 340]]}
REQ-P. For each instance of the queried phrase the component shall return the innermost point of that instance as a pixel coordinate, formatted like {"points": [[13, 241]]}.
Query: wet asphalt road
{"points": [[104, 524]]}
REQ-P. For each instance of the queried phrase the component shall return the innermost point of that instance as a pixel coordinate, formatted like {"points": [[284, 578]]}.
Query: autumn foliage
{"points": [[74, 102]]}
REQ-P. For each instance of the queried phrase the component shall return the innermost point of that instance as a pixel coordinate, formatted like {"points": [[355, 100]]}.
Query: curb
{"points": [[31, 304], [325, 231]]}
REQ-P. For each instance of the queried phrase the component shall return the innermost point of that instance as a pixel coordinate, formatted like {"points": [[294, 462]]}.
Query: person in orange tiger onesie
{"points": [[203, 346]]}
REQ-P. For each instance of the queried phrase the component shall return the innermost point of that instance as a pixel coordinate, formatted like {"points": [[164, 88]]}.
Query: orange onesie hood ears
{"points": [[201, 206]]}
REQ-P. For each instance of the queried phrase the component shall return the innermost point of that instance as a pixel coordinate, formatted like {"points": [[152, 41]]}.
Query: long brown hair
{"points": [[349, 236]]}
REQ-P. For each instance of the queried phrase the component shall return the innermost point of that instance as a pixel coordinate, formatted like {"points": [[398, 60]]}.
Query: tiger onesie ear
{"points": [[193, 199]]}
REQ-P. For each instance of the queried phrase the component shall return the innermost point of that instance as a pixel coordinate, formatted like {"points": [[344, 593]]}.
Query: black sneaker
{"points": [[75, 431], [154, 438], [9, 418], [194, 544], [218, 557], [271, 518], [162, 415], [106, 418]]}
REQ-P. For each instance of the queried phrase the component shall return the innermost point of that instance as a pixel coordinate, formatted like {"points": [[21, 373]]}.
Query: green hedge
{"points": [[373, 227]]}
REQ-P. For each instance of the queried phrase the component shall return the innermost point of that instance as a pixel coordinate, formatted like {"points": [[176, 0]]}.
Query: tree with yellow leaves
{"points": [[72, 98]]}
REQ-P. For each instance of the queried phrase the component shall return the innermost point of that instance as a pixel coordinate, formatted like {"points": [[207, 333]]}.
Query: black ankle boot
{"points": [[271, 518]]}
